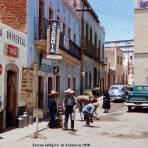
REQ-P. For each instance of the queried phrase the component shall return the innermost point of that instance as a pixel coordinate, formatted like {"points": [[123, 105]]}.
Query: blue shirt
{"points": [[90, 108]]}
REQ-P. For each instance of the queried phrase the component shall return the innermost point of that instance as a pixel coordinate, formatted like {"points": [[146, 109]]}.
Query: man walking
{"points": [[69, 103]]}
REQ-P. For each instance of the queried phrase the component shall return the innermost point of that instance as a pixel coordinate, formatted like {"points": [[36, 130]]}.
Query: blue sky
{"points": [[117, 16]]}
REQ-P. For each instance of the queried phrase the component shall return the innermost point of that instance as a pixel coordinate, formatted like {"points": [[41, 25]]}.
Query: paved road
{"points": [[118, 129]]}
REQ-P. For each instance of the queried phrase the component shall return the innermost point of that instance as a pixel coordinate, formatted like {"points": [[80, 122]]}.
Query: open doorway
{"points": [[11, 99], [40, 91]]}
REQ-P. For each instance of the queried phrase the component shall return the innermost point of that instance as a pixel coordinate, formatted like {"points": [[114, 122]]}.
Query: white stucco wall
{"points": [[20, 61]]}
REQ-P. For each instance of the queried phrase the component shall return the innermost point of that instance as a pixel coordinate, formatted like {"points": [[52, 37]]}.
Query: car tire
{"points": [[129, 108]]}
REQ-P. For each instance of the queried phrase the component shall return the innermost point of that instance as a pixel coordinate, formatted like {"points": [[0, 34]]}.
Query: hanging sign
{"points": [[53, 37], [46, 65], [144, 3]]}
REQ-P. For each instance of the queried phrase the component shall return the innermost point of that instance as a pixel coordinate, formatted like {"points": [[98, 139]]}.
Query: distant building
{"points": [[115, 58], [141, 46], [127, 46]]}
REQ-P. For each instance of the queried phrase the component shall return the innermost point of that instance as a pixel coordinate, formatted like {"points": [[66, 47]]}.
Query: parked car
{"points": [[137, 96], [117, 92]]}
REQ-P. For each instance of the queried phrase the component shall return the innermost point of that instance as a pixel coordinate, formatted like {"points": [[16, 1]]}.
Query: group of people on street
{"points": [[70, 103]]}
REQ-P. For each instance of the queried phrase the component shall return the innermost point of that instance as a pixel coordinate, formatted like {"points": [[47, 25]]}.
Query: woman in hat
{"points": [[69, 103], [52, 105]]}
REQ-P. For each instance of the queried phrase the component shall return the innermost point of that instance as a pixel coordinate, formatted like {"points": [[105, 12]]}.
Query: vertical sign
{"points": [[53, 37]]}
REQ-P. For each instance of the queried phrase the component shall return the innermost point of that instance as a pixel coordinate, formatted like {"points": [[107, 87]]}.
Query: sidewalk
{"points": [[20, 133]]}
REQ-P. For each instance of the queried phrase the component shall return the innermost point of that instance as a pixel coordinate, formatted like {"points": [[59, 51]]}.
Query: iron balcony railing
{"points": [[40, 33], [73, 50], [40, 28]]}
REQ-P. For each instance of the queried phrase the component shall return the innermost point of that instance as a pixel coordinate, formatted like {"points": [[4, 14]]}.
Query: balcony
{"points": [[90, 50], [40, 39], [73, 50]]}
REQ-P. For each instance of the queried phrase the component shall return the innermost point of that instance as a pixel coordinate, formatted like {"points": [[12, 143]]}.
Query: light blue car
{"points": [[117, 92]]}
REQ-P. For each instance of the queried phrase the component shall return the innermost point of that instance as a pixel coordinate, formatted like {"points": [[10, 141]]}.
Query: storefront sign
{"points": [[1, 68], [144, 3], [54, 56], [53, 37], [12, 50], [46, 65]]}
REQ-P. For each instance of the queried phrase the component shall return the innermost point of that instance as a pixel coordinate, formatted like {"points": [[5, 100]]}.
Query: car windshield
{"points": [[141, 88], [114, 88], [117, 88]]}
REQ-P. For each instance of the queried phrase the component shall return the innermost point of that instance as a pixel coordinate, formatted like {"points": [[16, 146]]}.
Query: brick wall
{"points": [[13, 13]]}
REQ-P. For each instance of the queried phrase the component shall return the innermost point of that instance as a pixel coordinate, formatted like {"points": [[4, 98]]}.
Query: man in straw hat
{"points": [[52, 104], [88, 111], [69, 103]]}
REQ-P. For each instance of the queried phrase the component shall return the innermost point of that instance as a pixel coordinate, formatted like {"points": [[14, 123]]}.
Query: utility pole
{"points": [[82, 43]]}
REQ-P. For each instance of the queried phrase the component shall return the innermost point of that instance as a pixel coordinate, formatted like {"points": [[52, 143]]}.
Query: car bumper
{"points": [[137, 105], [116, 98]]}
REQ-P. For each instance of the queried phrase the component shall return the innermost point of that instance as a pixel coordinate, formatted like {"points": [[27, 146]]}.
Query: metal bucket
{"points": [[21, 122], [26, 118]]}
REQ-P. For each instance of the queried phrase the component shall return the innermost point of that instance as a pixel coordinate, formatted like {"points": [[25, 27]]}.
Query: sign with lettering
{"points": [[46, 65], [12, 50], [1, 68], [53, 37], [38, 113], [27, 85]]}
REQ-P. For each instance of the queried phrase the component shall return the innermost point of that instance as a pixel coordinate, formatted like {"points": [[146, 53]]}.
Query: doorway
{"points": [[40, 91], [11, 99]]}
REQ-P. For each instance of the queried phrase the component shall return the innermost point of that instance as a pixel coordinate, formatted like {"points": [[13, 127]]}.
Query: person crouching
{"points": [[88, 111]]}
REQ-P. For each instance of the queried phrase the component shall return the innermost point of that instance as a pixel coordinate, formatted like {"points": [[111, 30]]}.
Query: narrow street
{"points": [[118, 129]]}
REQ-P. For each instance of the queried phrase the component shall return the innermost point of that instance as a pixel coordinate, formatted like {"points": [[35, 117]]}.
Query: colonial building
{"points": [[92, 44], [115, 58], [47, 25], [141, 45], [13, 57]]}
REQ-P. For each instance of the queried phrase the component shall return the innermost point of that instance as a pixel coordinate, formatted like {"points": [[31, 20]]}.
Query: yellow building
{"points": [[115, 58], [141, 46]]}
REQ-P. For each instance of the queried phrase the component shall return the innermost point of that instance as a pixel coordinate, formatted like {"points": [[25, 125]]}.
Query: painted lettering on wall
{"points": [[16, 39], [12, 35]]}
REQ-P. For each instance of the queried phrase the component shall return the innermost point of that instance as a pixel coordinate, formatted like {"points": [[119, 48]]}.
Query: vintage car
{"points": [[117, 92], [137, 96]]}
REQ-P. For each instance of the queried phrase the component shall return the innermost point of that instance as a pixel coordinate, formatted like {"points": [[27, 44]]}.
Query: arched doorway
{"points": [[11, 94]]}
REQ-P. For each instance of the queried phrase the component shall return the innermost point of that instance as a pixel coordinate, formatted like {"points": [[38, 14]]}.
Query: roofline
{"points": [[119, 41], [95, 16]]}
